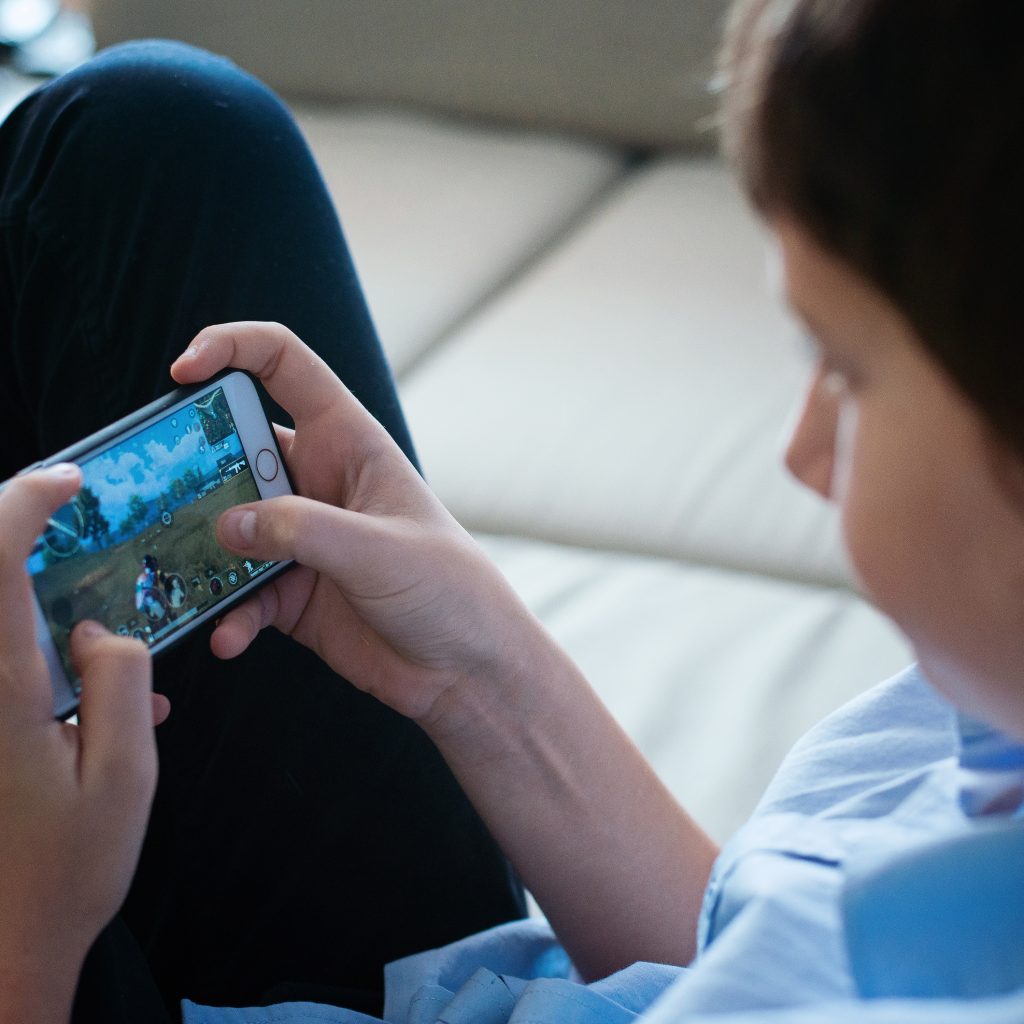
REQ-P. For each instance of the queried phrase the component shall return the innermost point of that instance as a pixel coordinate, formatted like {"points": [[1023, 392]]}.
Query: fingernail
{"points": [[239, 527], [64, 470], [90, 629]]}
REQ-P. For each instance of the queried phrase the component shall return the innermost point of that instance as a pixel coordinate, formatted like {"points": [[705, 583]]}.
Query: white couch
{"points": [[597, 376]]}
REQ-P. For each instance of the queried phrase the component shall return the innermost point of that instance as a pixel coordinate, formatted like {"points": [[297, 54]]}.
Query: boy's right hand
{"points": [[390, 591], [397, 598]]}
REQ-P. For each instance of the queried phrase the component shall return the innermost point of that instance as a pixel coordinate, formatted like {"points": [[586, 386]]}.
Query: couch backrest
{"points": [[632, 71]]}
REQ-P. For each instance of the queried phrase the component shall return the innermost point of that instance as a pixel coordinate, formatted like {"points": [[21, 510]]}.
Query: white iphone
{"points": [[136, 549]]}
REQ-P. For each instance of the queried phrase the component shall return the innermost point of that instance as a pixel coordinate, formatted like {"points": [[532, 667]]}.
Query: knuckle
{"points": [[276, 522], [265, 612], [281, 334], [134, 657], [127, 656], [292, 531]]}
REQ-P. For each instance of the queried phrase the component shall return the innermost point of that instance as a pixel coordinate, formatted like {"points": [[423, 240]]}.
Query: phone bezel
{"points": [[255, 433]]}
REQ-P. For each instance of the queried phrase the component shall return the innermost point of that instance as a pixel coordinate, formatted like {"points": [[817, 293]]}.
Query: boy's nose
{"points": [[810, 454]]}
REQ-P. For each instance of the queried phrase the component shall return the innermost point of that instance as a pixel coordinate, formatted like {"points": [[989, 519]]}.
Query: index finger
{"points": [[293, 374]]}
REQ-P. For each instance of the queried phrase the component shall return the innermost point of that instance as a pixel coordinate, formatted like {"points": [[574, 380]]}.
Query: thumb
{"points": [[326, 538], [116, 713]]}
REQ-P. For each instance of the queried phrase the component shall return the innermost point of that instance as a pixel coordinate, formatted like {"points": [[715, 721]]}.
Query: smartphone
{"points": [[136, 549]]}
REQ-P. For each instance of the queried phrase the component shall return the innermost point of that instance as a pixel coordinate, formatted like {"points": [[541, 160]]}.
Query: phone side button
{"points": [[266, 464]]}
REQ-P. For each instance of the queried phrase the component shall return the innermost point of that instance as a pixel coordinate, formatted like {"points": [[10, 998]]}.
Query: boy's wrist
{"points": [[482, 711]]}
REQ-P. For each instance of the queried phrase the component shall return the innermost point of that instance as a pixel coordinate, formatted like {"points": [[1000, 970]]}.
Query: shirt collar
{"points": [[991, 773]]}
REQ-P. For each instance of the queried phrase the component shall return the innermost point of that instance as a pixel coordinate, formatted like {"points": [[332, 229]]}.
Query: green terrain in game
{"points": [[101, 584]]}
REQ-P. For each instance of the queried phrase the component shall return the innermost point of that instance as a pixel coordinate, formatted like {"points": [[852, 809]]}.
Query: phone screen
{"points": [[136, 548]]}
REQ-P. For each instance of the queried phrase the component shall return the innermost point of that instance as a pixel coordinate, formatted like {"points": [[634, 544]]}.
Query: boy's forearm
{"points": [[616, 864]]}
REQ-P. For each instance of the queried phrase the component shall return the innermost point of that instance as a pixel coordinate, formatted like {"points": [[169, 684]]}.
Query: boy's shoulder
{"points": [[897, 729]]}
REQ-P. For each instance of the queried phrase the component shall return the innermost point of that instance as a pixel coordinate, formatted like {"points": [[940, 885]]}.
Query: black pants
{"points": [[302, 834]]}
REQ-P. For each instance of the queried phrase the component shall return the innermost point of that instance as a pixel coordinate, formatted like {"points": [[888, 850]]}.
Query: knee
{"points": [[160, 100]]}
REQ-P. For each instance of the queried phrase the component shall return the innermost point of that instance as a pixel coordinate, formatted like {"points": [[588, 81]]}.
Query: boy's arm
{"points": [[615, 863], [397, 598]]}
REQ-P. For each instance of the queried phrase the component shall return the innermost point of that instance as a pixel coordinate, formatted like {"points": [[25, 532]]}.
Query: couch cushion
{"points": [[633, 73], [714, 674], [632, 391], [439, 213]]}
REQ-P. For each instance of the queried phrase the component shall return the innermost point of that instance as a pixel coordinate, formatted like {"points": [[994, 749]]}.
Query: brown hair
{"points": [[893, 131]]}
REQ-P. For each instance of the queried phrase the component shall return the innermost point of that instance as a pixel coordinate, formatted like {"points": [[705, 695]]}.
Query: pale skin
{"points": [[931, 502], [73, 800], [397, 598]]}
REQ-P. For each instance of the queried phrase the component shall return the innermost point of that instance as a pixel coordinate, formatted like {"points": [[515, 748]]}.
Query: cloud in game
{"points": [[165, 463], [146, 469]]}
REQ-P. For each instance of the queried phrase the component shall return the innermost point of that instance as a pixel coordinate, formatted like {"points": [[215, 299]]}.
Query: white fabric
{"points": [[629, 392], [714, 674], [633, 390], [438, 214]]}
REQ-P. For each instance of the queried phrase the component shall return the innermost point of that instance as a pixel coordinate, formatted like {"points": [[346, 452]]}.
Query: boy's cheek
{"points": [[871, 535]]}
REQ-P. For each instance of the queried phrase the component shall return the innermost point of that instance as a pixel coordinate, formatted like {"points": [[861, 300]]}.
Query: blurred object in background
{"points": [[39, 39], [44, 37], [21, 21]]}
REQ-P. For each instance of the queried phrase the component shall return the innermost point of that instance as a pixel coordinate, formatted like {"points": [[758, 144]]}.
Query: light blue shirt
{"points": [[878, 881]]}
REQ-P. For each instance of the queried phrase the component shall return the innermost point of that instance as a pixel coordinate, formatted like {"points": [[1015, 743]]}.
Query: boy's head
{"points": [[881, 140], [893, 132]]}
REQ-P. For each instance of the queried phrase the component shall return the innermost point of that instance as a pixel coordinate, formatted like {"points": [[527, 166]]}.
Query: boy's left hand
{"points": [[74, 800]]}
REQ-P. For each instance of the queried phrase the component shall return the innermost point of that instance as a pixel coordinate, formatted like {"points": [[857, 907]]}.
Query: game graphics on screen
{"points": [[136, 548]]}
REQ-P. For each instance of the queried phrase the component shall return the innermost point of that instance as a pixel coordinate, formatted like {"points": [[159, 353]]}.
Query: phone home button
{"points": [[266, 464]]}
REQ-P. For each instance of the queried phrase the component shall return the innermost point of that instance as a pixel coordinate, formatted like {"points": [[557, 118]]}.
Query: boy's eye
{"points": [[836, 379]]}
